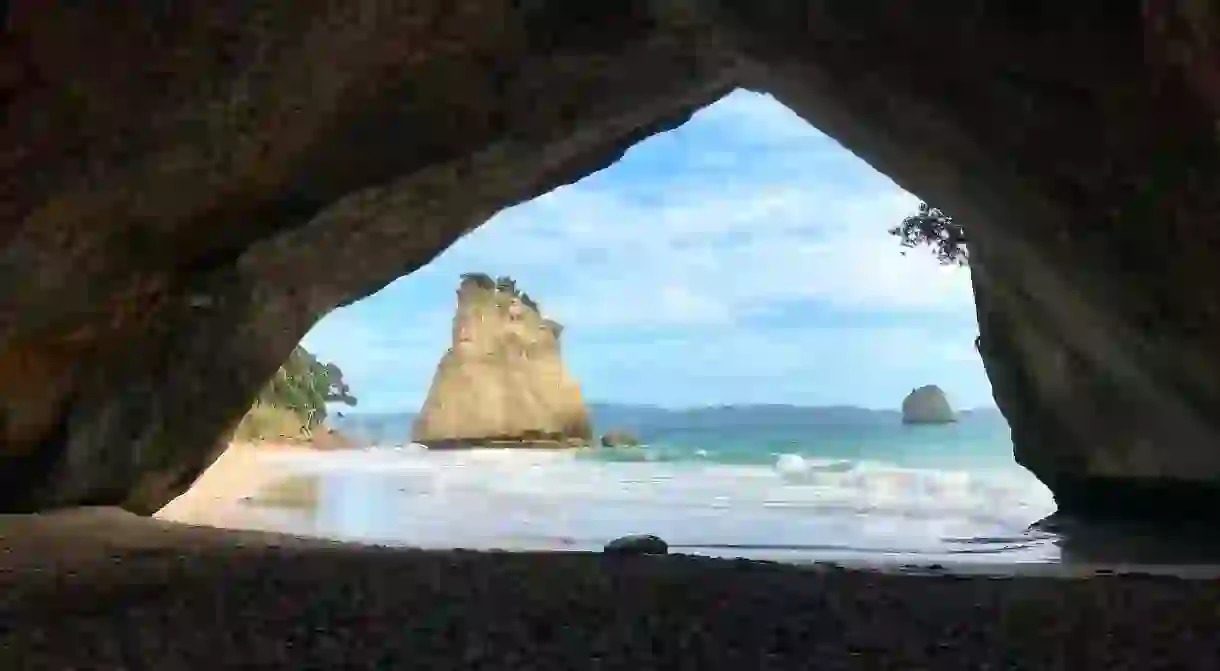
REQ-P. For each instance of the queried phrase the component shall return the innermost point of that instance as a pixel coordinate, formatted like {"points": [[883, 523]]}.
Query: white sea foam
{"points": [[547, 499]]}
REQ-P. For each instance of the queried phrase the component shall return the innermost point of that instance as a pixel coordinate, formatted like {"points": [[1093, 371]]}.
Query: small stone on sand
{"points": [[637, 544]]}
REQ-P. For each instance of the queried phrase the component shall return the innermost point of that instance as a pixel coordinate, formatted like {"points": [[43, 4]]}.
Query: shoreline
{"points": [[220, 500], [62, 531], [140, 592], [240, 471]]}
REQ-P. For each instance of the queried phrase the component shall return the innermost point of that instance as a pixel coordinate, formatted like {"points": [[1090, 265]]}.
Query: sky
{"points": [[740, 258]]}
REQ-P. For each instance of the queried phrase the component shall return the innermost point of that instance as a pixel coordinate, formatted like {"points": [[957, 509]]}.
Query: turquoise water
{"points": [[974, 445], [793, 486]]}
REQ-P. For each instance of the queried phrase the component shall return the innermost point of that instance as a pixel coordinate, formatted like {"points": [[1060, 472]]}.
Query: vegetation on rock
{"points": [[293, 403], [932, 227], [482, 279], [503, 284]]}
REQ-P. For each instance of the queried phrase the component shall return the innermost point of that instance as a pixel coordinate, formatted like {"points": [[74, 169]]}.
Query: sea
{"points": [[763, 482]]}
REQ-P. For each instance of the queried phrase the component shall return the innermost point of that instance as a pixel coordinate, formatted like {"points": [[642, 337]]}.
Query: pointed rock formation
{"points": [[927, 405], [503, 380]]}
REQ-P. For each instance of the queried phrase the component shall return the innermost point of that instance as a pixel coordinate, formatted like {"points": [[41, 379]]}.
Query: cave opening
{"points": [[732, 296]]}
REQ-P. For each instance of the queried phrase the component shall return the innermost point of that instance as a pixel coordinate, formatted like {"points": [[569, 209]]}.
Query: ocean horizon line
{"points": [[688, 408]]}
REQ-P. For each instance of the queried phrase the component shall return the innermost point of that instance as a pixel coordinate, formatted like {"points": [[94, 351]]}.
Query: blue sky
{"points": [[740, 258]]}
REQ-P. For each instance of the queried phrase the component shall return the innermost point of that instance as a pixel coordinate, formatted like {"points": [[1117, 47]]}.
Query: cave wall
{"points": [[192, 185], [1082, 148]]}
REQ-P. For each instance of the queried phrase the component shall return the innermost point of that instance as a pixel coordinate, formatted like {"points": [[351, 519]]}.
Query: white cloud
{"points": [[870, 367], [705, 254], [657, 264]]}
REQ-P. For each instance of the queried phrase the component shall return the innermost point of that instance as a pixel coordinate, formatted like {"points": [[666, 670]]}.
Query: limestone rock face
{"points": [[927, 405], [503, 378], [187, 188]]}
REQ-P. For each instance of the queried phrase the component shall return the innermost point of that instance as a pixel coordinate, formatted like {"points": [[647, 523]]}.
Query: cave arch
{"points": [[190, 187]]}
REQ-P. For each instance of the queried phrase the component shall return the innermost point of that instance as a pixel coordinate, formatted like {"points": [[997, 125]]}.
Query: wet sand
{"points": [[100, 589]]}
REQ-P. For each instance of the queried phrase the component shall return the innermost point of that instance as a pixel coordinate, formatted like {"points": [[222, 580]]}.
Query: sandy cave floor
{"points": [[101, 589]]}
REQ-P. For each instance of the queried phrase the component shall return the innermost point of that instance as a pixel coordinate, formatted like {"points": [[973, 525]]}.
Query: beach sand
{"points": [[103, 589], [216, 497]]}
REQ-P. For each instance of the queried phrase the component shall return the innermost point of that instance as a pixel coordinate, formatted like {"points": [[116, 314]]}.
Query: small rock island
{"points": [[619, 438], [927, 405], [502, 382]]}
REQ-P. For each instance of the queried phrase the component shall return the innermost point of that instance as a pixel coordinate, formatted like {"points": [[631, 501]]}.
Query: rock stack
{"points": [[927, 405], [503, 381]]}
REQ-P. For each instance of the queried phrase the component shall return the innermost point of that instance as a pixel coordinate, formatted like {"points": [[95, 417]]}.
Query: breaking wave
{"points": [[797, 507]]}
